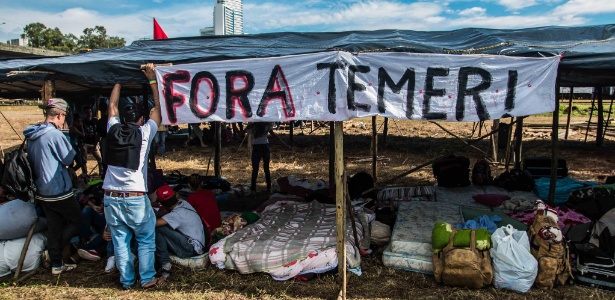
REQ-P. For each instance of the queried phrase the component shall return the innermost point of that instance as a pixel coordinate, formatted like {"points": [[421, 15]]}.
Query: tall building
{"points": [[228, 18]]}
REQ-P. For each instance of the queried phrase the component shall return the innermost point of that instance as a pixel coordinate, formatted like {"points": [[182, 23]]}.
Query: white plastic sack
{"points": [[10, 250], [514, 267], [381, 233]]}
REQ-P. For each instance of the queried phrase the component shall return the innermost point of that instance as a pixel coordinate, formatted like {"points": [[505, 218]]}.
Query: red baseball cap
{"points": [[164, 193]]}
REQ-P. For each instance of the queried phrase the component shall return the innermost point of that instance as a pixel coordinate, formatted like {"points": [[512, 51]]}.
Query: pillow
{"points": [[491, 200]]}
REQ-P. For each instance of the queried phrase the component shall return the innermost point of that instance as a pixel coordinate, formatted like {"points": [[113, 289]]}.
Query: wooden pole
{"points": [[340, 203], [49, 90], [374, 150], [569, 113], [217, 149], [291, 132], [608, 117], [385, 132], [600, 115], [554, 137], [24, 250], [591, 114], [457, 137], [494, 140], [518, 141], [332, 155]]}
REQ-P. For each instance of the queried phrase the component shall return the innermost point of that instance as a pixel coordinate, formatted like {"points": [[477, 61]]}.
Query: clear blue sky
{"points": [[132, 19]]}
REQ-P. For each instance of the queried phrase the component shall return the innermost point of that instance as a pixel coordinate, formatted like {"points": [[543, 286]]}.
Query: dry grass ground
{"points": [[410, 143]]}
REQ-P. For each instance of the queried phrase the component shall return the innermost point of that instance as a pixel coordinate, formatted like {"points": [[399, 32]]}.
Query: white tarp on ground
{"points": [[337, 86]]}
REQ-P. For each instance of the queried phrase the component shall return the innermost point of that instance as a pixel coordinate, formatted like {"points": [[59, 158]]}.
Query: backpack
{"points": [[17, 178], [463, 266], [452, 171], [481, 173], [516, 180], [553, 258]]}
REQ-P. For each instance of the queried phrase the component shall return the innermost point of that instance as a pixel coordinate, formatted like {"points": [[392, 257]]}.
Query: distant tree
{"points": [[40, 36], [97, 38], [34, 33]]}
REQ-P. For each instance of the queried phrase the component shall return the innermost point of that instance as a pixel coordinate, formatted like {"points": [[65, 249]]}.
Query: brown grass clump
{"points": [[410, 143]]}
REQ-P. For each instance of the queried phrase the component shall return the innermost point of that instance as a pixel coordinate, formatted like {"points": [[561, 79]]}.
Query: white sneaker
{"points": [[110, 267], [64, 268]]}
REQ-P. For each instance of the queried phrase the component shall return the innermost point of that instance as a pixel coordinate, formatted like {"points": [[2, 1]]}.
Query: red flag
{"points": [[158, 32]]}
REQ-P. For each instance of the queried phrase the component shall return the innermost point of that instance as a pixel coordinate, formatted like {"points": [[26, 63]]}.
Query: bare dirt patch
{"points": [[410, 143]]}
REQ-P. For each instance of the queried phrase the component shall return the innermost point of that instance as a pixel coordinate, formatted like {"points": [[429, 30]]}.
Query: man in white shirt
{"points": [[128, 210]]}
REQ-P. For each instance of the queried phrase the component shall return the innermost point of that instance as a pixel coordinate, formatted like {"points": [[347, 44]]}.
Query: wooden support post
{"points": [[518, 142], [569, 113], [340, 201], [331, 156], [24, 250], [600, 114], [217, 148], [554, 137], [608, 116], [49, 90], [385, 132], [291, 132], [494, 140], [374, 150], [591, 114]]}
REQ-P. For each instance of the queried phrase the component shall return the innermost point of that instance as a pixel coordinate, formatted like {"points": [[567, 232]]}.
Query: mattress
{"points": [[415, 221], [421, 264], [463, 195]]}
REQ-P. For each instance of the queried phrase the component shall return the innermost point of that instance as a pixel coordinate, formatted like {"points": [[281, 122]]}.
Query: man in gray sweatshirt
{"points": [[49, 153]]}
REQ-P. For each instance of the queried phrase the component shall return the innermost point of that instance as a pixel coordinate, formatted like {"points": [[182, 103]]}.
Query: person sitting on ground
{"points": [[204, 202], [179, 232]]}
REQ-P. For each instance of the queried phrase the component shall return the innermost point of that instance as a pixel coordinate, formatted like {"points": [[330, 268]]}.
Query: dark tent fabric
{"points": [[588, 54]]}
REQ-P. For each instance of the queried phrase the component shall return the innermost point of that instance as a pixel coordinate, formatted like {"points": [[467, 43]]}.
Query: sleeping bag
{"points": [[16, 217]]}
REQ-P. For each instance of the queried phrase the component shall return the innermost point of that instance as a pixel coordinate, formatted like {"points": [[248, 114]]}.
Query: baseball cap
{"points": [[58, 103], [132, 112], [164, 193]]}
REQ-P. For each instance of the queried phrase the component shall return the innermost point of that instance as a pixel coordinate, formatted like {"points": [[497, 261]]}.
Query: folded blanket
{"points": [[483, 221], [441, 235]]}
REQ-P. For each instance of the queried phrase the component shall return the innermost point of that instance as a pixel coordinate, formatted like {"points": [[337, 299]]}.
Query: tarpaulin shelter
{"points": [[587, 58], [588, 54]]}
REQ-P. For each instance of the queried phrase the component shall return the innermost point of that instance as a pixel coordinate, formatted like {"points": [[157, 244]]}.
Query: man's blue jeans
{"points": [[170, 241], [127, 217]]}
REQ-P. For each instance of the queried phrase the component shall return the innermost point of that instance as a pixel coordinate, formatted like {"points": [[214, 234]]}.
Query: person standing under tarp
{"points": [[90, 140], [260, 150], [49, 153], [128, 210]]}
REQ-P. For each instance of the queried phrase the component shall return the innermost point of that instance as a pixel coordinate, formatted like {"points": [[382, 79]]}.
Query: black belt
{"points": [[123, 194]]}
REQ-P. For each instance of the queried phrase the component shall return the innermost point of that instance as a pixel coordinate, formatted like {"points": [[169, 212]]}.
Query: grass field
{"points": [[409, 144]]}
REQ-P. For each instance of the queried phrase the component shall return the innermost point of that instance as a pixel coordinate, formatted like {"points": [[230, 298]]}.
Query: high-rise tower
{"points": [[228, 18]]}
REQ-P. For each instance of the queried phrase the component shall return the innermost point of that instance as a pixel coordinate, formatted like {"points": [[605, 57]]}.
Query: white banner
{"points": [[337, 86]]}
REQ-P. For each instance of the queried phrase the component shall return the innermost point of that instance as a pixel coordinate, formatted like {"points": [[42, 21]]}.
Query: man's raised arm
{"points": [[151, 77], [113, 101]]}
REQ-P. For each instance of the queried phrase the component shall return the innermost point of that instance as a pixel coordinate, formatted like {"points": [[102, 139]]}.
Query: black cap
{"points": [[132, 112]]}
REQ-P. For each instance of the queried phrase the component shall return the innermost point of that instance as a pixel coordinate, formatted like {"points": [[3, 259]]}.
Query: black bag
{"points": [[516, 180], [17, 177], [452, 171], [592, 202], [481, 173], [215, 183]]}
